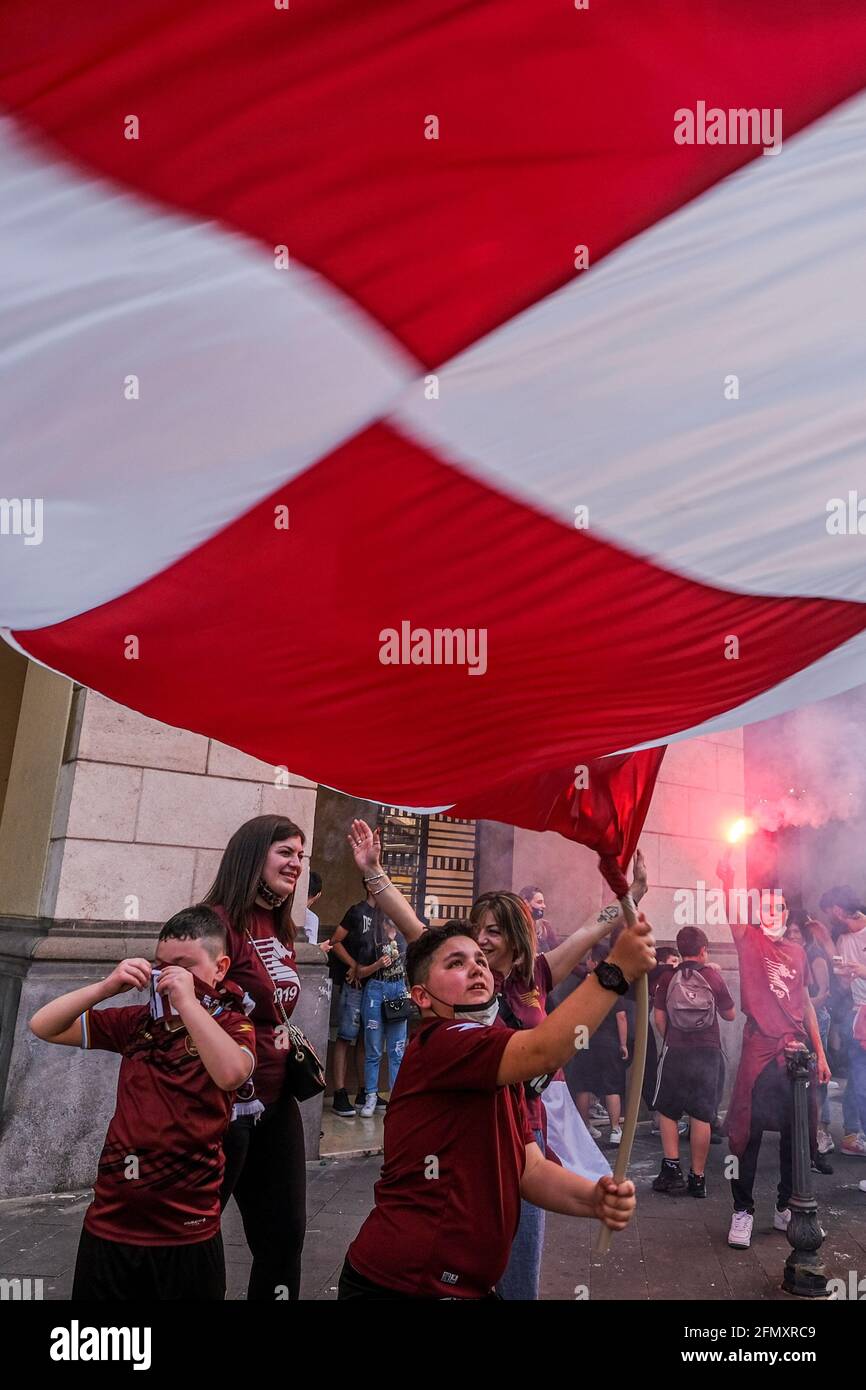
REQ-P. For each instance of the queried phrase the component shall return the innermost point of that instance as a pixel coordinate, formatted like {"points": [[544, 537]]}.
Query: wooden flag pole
{"points": [[635, 1081]]}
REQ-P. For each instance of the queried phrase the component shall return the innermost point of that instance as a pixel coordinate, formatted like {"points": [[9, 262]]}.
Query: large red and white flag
{"points": [[408, 393]]}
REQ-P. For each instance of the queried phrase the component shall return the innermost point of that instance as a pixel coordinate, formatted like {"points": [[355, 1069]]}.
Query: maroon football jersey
{"points": [[162, 1162], [448, 1202], [265, 972]]}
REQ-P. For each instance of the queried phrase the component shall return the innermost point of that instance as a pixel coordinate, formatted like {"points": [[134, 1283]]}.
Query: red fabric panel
{"points": [[305, 127]]}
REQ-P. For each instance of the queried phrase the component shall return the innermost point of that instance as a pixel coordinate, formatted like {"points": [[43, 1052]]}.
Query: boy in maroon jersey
{"points": [[459, 1152], [153, 1227]]}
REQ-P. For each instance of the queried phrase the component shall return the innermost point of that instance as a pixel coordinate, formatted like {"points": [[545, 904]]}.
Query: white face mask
{"points": [[774, 933], [472, 1013]]}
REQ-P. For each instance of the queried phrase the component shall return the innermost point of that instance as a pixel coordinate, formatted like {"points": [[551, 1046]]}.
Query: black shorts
{"points": [[111, 1271], [687, 1083]]}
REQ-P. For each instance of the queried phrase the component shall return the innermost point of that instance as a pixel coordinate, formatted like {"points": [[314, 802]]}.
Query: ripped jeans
{"points": [[380, 1036]]}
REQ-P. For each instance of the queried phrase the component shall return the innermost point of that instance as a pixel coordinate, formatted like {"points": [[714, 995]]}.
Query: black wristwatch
{"points": [[610, 976]]}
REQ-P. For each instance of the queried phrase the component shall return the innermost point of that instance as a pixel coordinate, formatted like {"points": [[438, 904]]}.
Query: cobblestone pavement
{"points": [[675, 1249]]}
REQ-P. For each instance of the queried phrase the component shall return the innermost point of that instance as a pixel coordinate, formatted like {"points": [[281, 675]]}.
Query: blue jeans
{"points": [[857, 1076], [378, 1033], [823, 1016], [522, 1274], [349, 1013]]}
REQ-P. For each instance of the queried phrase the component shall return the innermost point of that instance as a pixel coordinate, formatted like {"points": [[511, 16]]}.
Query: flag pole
{"points": [[636, 1076]]}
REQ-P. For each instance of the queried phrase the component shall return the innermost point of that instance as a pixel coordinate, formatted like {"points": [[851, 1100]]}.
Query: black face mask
{"points": [[538, 913]]}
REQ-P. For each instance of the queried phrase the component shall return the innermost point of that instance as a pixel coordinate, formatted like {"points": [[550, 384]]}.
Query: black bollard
{"points": [[804, 1274]]}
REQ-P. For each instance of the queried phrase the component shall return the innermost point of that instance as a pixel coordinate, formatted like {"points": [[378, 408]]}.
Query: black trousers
{"points": [[771, 1110], [109, 1271], [266, 1174]]}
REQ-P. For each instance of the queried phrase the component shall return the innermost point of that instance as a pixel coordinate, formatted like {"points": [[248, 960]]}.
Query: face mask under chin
{"points": [[484, 1013], [775, 933]]}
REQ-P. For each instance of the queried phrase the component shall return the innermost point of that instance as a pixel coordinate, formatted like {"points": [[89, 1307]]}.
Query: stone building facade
{"points": [[110, 822]]}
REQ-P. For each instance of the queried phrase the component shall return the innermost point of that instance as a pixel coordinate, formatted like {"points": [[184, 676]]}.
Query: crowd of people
{"points": [[519, 1051]]}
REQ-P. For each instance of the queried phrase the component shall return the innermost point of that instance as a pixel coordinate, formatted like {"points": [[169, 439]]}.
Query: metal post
{"points": [[805, 1274]]}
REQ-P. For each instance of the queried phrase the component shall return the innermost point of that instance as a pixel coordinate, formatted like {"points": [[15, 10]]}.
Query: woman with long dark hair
{"points": [[264, 1146]]}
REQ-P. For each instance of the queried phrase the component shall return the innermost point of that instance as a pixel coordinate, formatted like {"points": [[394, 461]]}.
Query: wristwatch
{"points": [[610, 976]]}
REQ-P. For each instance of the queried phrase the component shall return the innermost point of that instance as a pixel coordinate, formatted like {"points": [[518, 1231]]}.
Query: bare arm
{"points": [[534, 1051], [365, 844], [564, 957], [822, 980], [622, 1030], [60, 1021], [547, 1185], [811, 1022], [725, 870], [661, 1020]]}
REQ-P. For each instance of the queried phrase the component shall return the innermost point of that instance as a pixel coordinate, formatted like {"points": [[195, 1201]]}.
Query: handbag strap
{"points": [[271, 977]]}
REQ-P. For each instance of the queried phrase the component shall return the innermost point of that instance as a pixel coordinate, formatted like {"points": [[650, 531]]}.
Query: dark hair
{"points": [[843, 897], [513, 918], [315, 884], [691, 941], [664, 953], [421, 951], [197, 923], [237, 880], [529, 892]]}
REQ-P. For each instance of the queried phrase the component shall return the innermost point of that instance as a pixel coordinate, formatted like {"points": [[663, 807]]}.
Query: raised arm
{"points": [[60, 1021], [366, 848], [564, 957], [535, 1051], [725, 871]]}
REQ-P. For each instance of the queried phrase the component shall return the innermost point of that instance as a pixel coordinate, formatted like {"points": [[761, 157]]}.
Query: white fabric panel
{"points": [[610, 393], [248, 374], [841, 669]]}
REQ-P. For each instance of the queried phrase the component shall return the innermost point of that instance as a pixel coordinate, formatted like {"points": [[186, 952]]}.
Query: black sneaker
{"points": [[342, 1105], [697, 1185], [670, 1180], [360, 1100], [381, 1104], [820, 1164]]}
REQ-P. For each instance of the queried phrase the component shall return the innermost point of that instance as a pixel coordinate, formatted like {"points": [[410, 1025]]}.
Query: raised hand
{"points": [[366, 846], [129, 974]]}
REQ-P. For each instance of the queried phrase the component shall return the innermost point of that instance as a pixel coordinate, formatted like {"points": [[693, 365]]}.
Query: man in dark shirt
{"points": [[688, 1002], [356, 955]]}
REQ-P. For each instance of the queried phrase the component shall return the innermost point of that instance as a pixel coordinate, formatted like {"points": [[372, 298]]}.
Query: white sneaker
{"points": [[862, 1185], [616, 1135], [825, 1142], [740, 1234], [781, 1219], [369, 1107], [593, 1132], [598, 1112]]}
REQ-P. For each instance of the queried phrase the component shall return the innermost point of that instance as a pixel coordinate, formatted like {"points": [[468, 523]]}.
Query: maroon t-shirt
{"points": [[448, 1201], [773, 982], [265, 971], [161, 1166], [704, 1037], [527, 1004]]}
